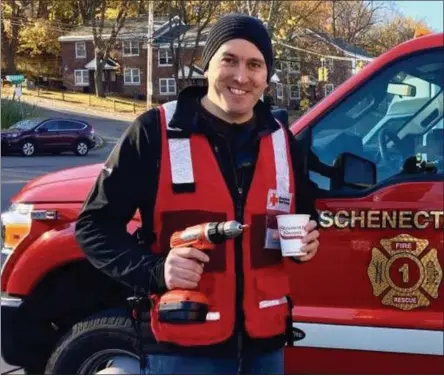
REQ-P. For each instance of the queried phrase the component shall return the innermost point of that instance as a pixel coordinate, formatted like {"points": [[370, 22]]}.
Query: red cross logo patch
{"points": [[274, 199]]}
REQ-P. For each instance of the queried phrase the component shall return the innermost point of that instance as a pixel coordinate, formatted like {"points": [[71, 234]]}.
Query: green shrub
{"points": [[13, 111]]}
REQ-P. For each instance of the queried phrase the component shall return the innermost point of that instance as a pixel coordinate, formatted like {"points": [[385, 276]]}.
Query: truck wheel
{"points": [[92, 345]]}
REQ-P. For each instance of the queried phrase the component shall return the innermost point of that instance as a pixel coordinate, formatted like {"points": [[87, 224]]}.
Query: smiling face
{"points": [[237, 78]]}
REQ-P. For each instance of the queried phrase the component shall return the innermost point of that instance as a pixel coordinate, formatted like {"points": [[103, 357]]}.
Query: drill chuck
{"points": [[220, 231], [231, 229]]}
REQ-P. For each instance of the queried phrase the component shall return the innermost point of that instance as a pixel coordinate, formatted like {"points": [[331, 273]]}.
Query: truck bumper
{"points": [[24, 340], [13, 330]]}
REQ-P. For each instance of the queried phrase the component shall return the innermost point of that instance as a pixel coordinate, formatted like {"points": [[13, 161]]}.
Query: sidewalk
{"points": [[52, 104]]}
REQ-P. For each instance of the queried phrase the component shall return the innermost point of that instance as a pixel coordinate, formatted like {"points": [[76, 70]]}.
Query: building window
{"points": [[279, 91], [295, 92], [80, 49], [167, 86], [81, 77], [130, 48], [328, 88], [165, 57], [131, 76]]}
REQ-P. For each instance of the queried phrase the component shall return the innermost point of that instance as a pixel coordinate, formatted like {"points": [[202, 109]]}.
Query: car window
{"points": [[67, 125], [388, 119], [26, 124], [50, 125]]}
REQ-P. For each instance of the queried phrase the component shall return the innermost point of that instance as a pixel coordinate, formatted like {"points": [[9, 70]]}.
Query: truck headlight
{"points": [[16, 225]]}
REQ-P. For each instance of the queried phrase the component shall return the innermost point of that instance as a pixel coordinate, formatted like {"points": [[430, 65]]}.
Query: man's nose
{"points": [[241, 74]]}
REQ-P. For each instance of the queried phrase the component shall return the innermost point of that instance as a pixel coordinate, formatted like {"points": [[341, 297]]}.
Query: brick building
{"points": [[125, 70]]}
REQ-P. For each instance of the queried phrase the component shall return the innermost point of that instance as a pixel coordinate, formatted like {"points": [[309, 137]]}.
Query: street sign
{"points": [[15, 78]]}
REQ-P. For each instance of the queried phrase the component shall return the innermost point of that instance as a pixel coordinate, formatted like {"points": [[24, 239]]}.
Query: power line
{"points": [[333, 57]]}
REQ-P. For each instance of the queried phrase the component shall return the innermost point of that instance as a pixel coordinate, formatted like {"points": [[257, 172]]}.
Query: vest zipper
{"points": [[239, 324]]}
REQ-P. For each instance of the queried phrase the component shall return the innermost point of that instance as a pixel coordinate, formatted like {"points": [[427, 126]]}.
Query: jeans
{"points": [[266, 364]]}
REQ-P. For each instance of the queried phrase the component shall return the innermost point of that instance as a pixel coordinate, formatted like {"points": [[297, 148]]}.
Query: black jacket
{"points": [[129, 182]]}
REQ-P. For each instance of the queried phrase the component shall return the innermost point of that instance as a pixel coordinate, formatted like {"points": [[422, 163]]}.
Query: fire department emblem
{"points": [[404, 273]]}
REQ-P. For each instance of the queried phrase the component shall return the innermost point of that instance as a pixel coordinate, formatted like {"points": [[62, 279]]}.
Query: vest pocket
{"points": [[269, 310]]}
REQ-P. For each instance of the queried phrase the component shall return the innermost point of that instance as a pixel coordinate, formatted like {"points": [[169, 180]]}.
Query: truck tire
{"points": [[90, 345]]}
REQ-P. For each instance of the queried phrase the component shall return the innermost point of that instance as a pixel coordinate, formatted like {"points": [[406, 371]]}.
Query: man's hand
{"points": [[184, 268], [311, 242]]}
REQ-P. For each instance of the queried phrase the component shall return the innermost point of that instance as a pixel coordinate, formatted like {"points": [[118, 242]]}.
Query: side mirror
{"points": [[354, 172]]}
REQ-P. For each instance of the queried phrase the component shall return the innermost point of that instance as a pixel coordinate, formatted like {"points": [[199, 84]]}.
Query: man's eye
{"points": [[228, 60], [255, 65]]}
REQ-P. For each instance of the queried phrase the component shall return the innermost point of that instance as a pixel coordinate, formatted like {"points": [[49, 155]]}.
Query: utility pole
{"points": [[149, 70], [334, 18]]}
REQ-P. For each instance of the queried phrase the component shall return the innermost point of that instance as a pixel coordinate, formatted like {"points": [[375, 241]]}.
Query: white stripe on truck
{"points": [[393, 340]]}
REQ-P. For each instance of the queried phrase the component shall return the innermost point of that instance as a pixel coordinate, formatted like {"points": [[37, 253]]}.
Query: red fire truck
{"points": [[370, 302]]}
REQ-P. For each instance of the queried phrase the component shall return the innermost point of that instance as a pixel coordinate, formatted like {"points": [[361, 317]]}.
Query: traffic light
{"points": [[359, 66], [322, 74]]}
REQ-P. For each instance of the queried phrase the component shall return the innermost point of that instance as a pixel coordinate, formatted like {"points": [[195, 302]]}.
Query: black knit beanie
{"points": [[238, 26]]}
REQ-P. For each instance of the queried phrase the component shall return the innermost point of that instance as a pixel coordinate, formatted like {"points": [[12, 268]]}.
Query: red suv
{"points": [[49, 135]]}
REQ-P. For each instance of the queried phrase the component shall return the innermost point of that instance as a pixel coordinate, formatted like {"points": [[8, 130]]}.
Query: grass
{"points": [[110, 103], [13, 111]]}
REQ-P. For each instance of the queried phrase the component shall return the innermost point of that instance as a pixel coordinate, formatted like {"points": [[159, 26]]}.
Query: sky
{"points": [[431, 12]]}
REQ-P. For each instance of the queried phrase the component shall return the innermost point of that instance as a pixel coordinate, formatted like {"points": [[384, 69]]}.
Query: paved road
{"points": [[17, 170]]}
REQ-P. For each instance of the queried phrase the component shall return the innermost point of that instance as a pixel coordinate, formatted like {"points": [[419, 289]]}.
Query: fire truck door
{"points": [[374, 292]]}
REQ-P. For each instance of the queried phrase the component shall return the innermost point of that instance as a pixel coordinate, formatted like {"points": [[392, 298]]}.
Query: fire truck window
{"points": [[394, 117]]}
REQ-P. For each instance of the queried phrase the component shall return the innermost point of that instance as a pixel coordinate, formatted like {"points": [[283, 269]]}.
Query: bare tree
{"points": [[268, 11], [92, 13], [190, 19], [396, 29], [351, 20]]}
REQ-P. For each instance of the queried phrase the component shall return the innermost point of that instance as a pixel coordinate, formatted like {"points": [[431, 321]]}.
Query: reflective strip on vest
{"points": [[180, 151], [213, 316], [182, 166], [280, 157], [180, 158], [272, 303]]}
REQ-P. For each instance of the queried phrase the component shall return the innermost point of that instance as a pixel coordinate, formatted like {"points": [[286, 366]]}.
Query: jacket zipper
{"points": [[239, 313]]}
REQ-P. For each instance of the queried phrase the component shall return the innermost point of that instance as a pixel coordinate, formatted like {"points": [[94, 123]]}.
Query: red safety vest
{"points": [[192, 190]]}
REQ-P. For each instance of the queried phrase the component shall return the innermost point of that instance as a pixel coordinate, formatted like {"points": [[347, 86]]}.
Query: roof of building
{"points": [[347, 48], [134, 28]]}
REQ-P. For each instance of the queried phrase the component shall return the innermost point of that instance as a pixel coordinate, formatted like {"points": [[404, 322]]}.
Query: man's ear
{"points": [[206, 74]]}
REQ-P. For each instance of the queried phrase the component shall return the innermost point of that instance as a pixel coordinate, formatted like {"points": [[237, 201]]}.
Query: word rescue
{"points": [[396, 219]]}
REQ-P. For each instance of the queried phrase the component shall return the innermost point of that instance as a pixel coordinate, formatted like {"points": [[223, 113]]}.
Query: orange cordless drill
{"points": [[182, 306]]}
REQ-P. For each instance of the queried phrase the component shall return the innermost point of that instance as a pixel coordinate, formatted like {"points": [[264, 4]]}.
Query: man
{"points": [[216, 154]]}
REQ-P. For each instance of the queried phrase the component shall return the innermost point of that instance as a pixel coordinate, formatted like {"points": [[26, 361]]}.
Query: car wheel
{"points": [[28, 148], [95, 344], [81, 148]]}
